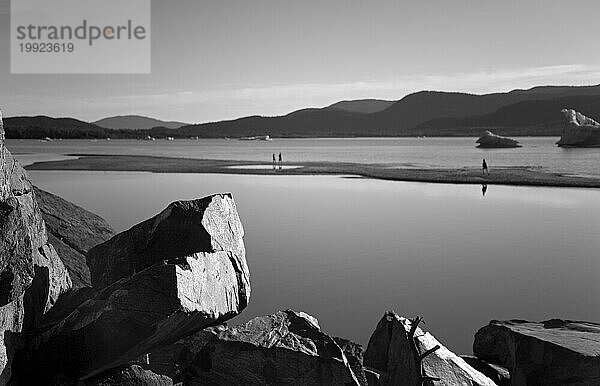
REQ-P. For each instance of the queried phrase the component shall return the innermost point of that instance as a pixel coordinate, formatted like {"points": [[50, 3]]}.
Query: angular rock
{"points": [[390, 353], [32, 277], [491, 140], [209, 224], [287, 347], [72, 231], [133, 375], [554, 352], [579, 130], [354, 353], [157, 306]]}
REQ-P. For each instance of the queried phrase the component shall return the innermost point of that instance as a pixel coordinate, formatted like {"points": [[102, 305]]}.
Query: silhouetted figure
{"points": [[274, 162], [484, 189], [280, 161], [484, 167]]}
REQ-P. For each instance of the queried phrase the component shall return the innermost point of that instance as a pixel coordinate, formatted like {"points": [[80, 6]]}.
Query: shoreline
{"points": [[513, 175]]}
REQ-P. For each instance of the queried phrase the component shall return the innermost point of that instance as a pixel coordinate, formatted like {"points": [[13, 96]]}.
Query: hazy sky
{"points": [[222, 59]]}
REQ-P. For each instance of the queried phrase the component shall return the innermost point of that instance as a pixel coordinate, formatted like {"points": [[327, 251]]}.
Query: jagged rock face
{"points": [[354, 353], [32, 277], [284, 348], [72, 231], [172, 298], [555, 352], [133, 375], [579, 130], [491, 140], [185, 227], [389, 352]]}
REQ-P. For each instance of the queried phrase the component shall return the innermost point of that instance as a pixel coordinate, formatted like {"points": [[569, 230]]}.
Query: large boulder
{"points": [[391, 353], [170, 299], [210, 224], [72, 231], [554, 352], [491, 141], [32, 277], [579, 130], [287, 347]]}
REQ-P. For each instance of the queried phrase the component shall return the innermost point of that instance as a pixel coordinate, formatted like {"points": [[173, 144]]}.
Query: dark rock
{"points": [[555, 352], [490, 140], [284, 348], [354, 354], [133, 375], [390, 353], [209, 224], [32, 277], [72, 231], [579, 130], [496, 373]]}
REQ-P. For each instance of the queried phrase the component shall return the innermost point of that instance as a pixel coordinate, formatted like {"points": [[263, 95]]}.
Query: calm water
{"points": [[346, 250], [407, 152]]}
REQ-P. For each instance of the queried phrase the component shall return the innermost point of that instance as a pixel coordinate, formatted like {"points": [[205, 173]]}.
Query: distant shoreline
{"points": [[517, 175]]}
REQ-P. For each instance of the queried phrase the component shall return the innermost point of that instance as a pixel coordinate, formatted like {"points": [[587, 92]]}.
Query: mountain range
{"points": [[136, 122], [534, 112]]}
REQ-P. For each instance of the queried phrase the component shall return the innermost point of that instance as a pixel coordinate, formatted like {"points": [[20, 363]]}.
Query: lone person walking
{"points": [[484, 168], [280, 161]]}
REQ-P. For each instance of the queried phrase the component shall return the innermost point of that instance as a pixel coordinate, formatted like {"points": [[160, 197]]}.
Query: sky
{"points": [[223, 59]]}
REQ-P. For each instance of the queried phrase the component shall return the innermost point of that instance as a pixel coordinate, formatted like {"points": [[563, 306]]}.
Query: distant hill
{"points": [[399, 119], [535, 111], [536, 117], [136, 122], [42, 126], [366, 106]]}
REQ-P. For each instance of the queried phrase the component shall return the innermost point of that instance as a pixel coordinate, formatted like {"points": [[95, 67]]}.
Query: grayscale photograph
{"points": [[300, 192]]}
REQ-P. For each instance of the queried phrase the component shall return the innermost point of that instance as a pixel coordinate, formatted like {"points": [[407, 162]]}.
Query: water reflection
{"points": [[346, 250], [484, 189]]}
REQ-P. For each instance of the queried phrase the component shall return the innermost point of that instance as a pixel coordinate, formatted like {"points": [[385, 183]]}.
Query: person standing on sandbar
{"points": [[280, 161], [274, 162], [484, 167]]}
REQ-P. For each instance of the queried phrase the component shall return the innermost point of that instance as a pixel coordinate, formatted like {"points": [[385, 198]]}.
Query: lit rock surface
{"points": [[72, 231], [287, 347], [491, 140], [209, 224], [555, 352], [32, 277], [389, 352], [174, 297], [133, 375], [579, 130]]}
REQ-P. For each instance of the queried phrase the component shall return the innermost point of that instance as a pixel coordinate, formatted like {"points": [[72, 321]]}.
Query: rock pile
{"points": [[147, 307]]}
